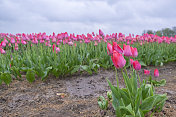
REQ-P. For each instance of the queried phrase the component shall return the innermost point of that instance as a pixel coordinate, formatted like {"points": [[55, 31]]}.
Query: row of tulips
{"points": [[138, 98], [62, 54]]}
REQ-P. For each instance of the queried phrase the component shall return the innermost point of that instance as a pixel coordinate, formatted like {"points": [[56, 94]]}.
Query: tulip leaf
{"points": [[30, 75], [102, 102], [152, 101], [45, 73], [75, 69], [142, 63], [159, 83], [6, 77], [0, 81], [127, 110]]}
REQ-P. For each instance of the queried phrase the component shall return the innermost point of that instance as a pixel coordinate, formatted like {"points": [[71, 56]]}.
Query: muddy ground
{"points": [[74, 96]]}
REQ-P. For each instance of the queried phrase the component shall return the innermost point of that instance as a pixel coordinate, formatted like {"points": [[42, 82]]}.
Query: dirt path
{"points": [[74, 96]]}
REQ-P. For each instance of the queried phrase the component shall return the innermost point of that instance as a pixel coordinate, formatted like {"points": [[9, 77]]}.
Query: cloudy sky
{"points": [[85, 16]]}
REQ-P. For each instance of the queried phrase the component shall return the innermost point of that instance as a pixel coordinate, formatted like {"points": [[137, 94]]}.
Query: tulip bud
{"points": [[127, 50], [146, 72], [137, 65], [156, 73]]}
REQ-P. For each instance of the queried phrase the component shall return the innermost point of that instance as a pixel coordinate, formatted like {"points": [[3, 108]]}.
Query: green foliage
{"points": [[6, 77], [30, 75], [135, 101], [109, 95], [81, 58], [103, 103]]}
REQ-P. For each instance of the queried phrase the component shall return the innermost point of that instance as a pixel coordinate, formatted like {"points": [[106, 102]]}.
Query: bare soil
{"points": [[75, 96]]}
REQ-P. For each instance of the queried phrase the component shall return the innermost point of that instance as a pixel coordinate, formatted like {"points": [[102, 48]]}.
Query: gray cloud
{"points": [[83, 16]]}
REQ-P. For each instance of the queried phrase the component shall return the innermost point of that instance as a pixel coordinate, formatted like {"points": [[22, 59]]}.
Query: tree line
{"points": [[170, 32]]}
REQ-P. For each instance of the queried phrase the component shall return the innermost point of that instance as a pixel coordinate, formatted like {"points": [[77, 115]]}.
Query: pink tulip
{"points": [[42, 41], [57, 49], [70, 43], [101, 33], [3, 44], [53, 39], [75, 44], [53, 47], [128, 42], [134, 52], [131, 61], [93, 33], [23, 42], [118, 60], [156, 73], [104, 40], [9, 45], [12, 40], [146, 72], [141, 43], [2, 51], [109, 49], [137, 65], [117, 48], [131, 42], [127, 50], [5, 40], [95, 43], [16, 47]]}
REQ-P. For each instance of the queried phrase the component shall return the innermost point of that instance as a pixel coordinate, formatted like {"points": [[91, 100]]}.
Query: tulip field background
{"points": [[53, 74]]}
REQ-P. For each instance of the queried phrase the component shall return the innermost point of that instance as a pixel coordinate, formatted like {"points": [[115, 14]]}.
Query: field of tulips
{"points": [[65, 54], [27, 57]]}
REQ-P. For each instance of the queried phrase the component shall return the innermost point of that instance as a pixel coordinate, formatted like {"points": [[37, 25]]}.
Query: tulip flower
{"points": [[134, 52], [53, 47], [118, 60], [131, 61], [16, 47], [117, 48], [57, 50], [53, 39], [3, 44], [128, 42], [156, 73], [2, 51], [70, 43], [12, 40], [5, 40], [146, 72], [136, 65], [9, 45], [42, 41], [109, 49], [75, 44], [127, 50], [95, 43], [101, 33]]}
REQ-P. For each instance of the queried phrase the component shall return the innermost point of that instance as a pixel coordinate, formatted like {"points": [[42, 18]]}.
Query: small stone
{"points": [[167, 106], [62, 95]]}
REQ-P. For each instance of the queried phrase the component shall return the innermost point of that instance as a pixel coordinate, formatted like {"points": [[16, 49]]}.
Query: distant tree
{"points": [[159, 33], [174, 29], [144, 32], [164, 32], [168, 32], [150, 32]]}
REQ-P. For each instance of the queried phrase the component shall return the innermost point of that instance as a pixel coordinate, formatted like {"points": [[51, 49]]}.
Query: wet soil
{"points": [[75, 96]]}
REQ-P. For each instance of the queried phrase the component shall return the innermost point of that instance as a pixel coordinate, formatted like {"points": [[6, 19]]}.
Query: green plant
{"points": [[102, 102], [137, 98], [135, 101]]}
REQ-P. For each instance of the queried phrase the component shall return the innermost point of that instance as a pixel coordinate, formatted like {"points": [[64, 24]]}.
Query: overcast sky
{"points": [[86, 16]]}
